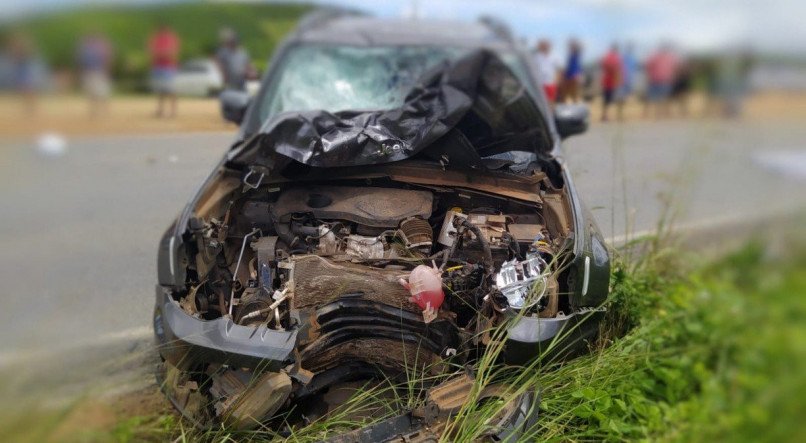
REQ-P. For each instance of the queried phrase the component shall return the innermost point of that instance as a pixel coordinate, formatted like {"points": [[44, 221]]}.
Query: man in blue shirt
{"points": [[572, 76]]}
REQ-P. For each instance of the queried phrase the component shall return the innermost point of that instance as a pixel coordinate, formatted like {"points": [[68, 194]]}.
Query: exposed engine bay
{"points": [[375, 276]]}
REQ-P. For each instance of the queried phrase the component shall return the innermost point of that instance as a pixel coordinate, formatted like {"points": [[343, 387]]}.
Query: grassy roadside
{"points": [[703, 352], [715, 355], [689, 352]]}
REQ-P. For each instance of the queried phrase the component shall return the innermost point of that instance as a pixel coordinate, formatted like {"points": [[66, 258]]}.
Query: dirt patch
{"points": [[69, 115], [97, 419], [761, 106], [148, 401], [777, 105], [139, 415], [86, 418]]}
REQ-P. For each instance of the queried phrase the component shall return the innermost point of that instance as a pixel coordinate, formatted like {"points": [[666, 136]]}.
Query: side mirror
{"points": [[571, 119], [233, 105]]}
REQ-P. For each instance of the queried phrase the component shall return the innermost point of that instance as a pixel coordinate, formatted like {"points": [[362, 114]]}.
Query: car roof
{"points": [[349, 27], [359, 30]]}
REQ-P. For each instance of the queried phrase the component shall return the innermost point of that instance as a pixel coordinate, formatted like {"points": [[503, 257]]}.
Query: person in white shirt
{"points": [[548, 69]]}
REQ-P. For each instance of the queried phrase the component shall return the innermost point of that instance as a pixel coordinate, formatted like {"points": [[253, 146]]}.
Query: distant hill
{"points": [[260, 26]]}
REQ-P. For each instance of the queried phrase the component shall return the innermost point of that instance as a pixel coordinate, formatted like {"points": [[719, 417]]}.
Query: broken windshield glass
{"points": [[457, 112], [338, 78]]}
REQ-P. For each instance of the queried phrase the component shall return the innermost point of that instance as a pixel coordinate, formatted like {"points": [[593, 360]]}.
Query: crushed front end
{"points": [[288, 290]]}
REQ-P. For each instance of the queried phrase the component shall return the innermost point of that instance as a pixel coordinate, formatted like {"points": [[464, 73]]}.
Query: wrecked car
{"points": [[396, 191]]}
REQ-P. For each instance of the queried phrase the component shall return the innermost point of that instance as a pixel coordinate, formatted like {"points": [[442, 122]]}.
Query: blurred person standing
{"points": [[611, 79], [661, 68], [681, 87], [732, 81], [629, 72], [28, 69], [548, 69], [708, 71], [95, 61], [572, 76], [164, 49], [6, 69], [233, 60]]}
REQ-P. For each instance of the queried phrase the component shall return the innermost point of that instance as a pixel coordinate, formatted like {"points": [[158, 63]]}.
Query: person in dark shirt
{"points": [[681, 86], [233, 61]]}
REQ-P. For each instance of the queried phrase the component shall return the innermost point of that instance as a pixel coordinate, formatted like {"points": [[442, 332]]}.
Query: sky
{"points": [[692, 25]]}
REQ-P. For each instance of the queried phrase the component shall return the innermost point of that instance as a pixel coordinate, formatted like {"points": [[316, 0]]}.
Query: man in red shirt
{"points": [[660, 71], [164, 49], [611, 79]]}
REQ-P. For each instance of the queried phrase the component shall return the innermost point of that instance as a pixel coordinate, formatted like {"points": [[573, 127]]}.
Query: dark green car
{"points": [[395, 196]]}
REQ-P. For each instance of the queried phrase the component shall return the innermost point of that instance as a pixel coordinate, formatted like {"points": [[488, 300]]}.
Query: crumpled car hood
{"points": [[463, 111]]}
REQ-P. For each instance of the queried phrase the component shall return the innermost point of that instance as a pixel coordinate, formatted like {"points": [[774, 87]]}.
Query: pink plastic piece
{"points": [[425, 287]]}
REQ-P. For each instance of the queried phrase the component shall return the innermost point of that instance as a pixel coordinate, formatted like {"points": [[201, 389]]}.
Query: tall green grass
{"points": [[717, 355]]}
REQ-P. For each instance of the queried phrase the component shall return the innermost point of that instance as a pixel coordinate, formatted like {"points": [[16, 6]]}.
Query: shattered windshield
{"points": [[327, 106], [336, 78]]}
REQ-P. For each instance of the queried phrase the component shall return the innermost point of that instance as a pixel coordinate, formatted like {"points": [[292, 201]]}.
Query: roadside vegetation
{"points": [[706, 352], [261, 27], [712, 355]]}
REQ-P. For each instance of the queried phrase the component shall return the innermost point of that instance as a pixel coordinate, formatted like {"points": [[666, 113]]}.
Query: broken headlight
{"points": [[523, 283]]}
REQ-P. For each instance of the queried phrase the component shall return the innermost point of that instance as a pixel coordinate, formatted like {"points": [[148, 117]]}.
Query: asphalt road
{"points": [[706, 172], [79, 231]]}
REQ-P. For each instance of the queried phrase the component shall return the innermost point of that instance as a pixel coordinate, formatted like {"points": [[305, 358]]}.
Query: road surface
{"points": [[79, 231]]}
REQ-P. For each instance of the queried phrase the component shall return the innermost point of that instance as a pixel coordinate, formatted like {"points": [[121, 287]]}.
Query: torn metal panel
{"points": [[352, 329], [389, 354], [428, 424], [380, 207], [422, 173], [242, 401], [319, 281], [446, 399], [559, 222]]}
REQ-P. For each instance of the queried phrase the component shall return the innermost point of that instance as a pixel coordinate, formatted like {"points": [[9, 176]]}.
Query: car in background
{"points": [[199, 78]]}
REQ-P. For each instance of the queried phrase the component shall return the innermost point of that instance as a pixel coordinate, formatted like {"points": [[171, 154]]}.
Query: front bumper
{"points": [[551, 338], [185, 341], [188, 343]]}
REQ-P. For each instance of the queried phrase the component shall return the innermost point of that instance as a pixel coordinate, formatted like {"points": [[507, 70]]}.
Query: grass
{"points": [[689, 352]]}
